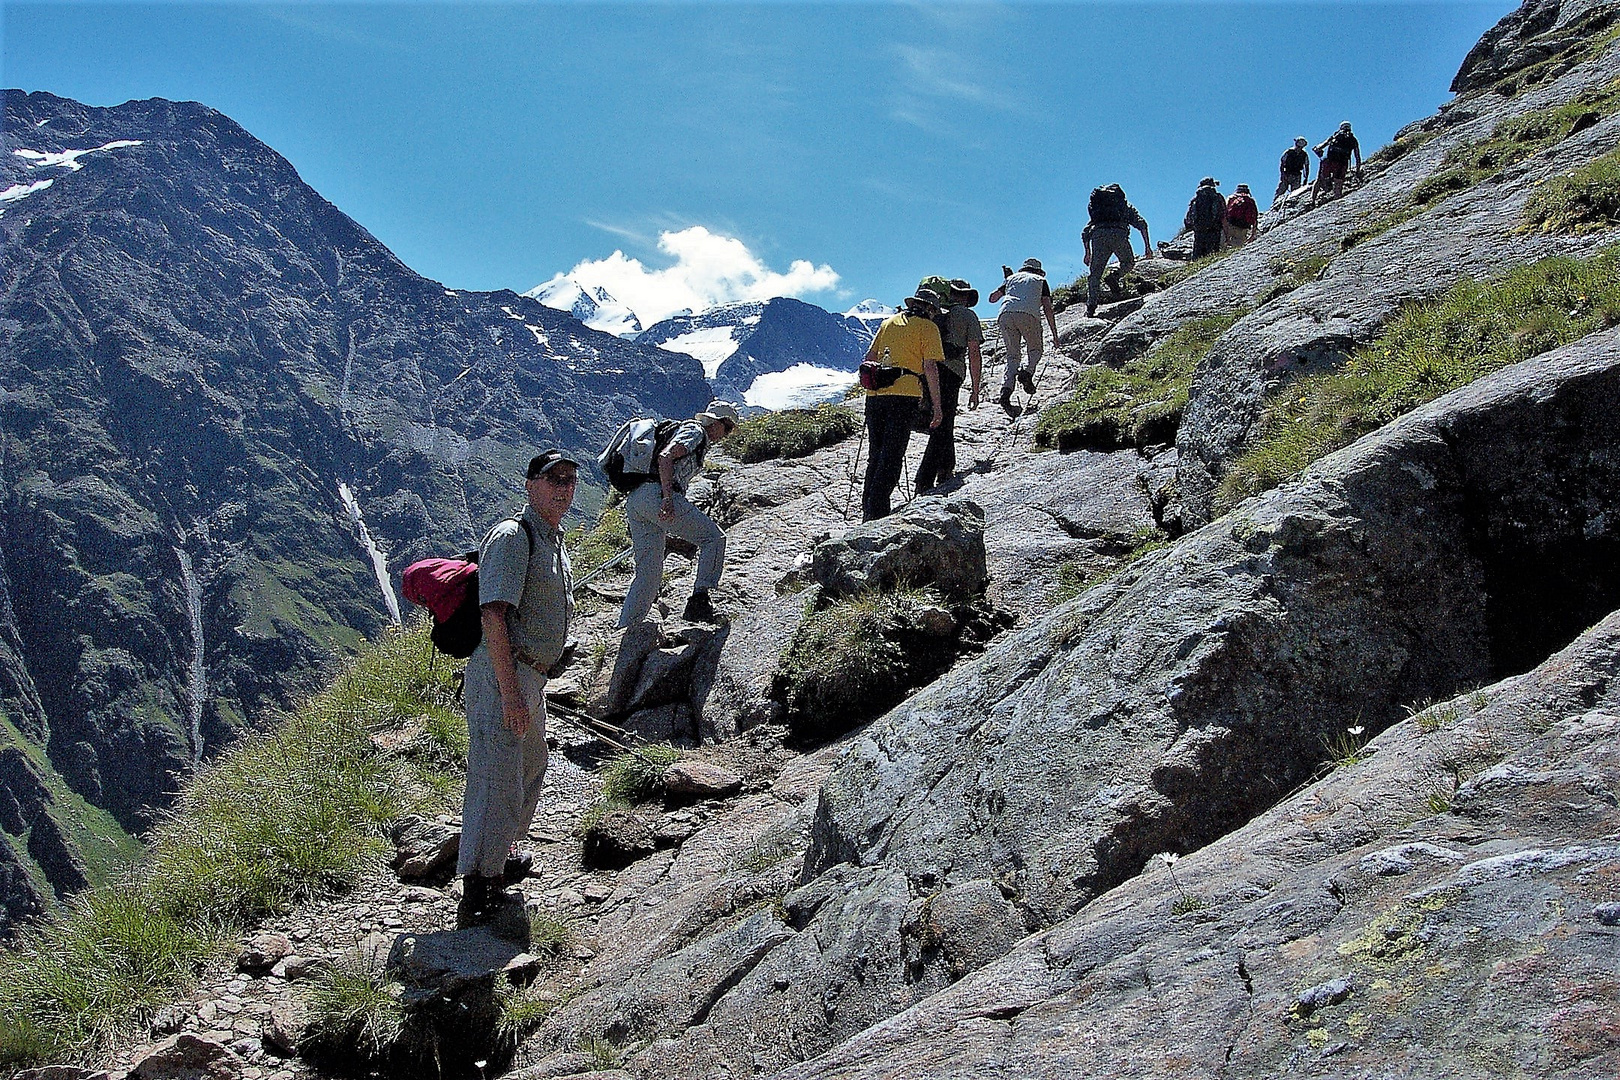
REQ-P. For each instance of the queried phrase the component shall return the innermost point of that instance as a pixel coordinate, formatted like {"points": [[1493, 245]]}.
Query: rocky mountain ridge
{"points": [[1324, 786], [224, 402]]}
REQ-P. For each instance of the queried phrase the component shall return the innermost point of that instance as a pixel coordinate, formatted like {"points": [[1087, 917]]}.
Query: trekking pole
{"points": [[854, 470], [604, 568]]}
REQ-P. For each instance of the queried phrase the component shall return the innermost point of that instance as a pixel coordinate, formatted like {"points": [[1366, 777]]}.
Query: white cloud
{"points": [[709, 269]]}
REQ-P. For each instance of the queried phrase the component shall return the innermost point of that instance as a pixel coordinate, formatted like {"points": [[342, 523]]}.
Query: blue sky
{"points": [[494, 145]]}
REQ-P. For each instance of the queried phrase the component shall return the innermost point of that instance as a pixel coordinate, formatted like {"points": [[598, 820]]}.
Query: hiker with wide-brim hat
{"points": [[1024, 296], [526, 597], [658, 508], [905, 354], [1205, 215], [960, 338]]}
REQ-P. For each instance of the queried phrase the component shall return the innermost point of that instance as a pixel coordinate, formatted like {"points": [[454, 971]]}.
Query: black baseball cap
{"points": [[546, 461]]}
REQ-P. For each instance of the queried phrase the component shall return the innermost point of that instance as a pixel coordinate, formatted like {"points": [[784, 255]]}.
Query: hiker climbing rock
{"points": [[1293, 169], [1108, 234], [1024, 297], [1205, 215], [1339, 148], [960, 336], [906, 351], [658, 507], [525, 589], [1242, 216]]}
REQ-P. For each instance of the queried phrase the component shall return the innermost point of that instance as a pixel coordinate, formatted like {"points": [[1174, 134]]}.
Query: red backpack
{"points": [[1242, 211], [448, 588]]}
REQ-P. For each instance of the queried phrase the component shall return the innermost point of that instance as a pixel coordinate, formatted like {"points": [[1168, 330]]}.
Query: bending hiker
{"points": [[1294, 170], [961, 337], [658, 509], [906, 351], [1025, 297], [1205, 213], [1108, 234], [1340, 146], [1242, 216], [525, 590]]}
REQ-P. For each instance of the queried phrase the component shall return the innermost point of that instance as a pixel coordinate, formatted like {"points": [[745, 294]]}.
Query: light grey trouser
{"points": [[647, 532], [504, 772], [1107, 242], [1017, 329]]}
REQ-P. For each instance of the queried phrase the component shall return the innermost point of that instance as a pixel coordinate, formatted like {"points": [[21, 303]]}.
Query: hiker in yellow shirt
{"points": [[908, 350]]}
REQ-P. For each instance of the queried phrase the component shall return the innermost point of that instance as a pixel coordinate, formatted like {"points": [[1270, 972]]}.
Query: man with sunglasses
{"points": [[525, 592], [658, 508]]}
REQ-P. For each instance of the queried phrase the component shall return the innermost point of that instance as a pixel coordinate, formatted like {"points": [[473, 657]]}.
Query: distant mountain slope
{"points": [[199, 352], [739, 343], [596, 308]]}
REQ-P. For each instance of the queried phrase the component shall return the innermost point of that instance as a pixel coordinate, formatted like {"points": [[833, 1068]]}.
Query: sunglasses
{"points": [[560, 481]]}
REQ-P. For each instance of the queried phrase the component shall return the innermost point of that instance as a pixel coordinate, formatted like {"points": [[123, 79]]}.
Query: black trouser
{"points": [[939, 456], [1206, 242], [888, 430]]}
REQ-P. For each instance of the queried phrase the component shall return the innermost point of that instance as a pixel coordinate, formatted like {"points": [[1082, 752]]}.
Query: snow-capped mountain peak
{"points": [[595, 308], [870, 309]]}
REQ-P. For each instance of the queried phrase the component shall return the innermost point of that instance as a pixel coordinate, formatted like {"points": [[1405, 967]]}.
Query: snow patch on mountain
{"points": [[69, 159], [801, 386], [710, 345], [596, 308], [870, 309]]}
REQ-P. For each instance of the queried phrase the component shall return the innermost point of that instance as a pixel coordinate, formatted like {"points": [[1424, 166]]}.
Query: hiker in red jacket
{"points": [[1242, 217]]}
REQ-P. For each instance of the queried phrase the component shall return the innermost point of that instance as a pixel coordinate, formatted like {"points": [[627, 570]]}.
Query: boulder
{"points": [[444, 963], [672, 723], [283, 1028], [665, 675], [617, 839], [638, 642], [425, 848], [935, 540], [263, 951], [188, 1057], [701, 779], [731, 681], [63, 1072]]}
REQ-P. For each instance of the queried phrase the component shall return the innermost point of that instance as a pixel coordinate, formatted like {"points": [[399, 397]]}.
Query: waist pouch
{"points": [[876, 376]]}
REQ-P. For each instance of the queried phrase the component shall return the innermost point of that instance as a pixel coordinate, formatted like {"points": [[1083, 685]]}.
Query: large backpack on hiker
{"points": [[631, 456], [1293, 162], [1209, 206], [1242, 211], [1108, 206], [448, 588], [1338, 146]]}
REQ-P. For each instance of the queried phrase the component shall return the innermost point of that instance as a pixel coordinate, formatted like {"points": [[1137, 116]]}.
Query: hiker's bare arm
{"points": [[931, 373], [1147, 245], [1051, 315], [514, 710], [997, 294], [1086, 259], [872, 351], [666, 478], [975, 371]]}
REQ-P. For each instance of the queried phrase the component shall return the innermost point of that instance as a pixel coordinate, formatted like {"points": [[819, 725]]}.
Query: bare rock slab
{"points": [[701, 779], [935, 540], [188, 1057]]}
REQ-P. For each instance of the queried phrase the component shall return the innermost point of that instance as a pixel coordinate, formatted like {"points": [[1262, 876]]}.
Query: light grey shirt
{"points": [[540, 589], [1024, 292], [692, 436]]}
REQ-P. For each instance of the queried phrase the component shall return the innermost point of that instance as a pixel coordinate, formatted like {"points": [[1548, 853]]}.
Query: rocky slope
{"points": [[229, 416], [1139, 830]]}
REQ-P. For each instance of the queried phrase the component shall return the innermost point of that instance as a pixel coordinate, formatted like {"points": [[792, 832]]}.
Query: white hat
{"points": [[718, 410]]}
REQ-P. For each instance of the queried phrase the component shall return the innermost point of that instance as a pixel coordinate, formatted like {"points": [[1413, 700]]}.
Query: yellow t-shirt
{"points": [[910, 339]]}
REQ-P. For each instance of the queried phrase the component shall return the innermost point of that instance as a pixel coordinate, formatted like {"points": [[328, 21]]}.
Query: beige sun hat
{"points": [[718, 410]]}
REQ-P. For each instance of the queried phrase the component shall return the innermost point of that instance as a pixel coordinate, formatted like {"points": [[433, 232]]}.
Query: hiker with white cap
{"points": [[659, 508], [1293, 170], [1339, 147], [526, 597], [1024, 297]]}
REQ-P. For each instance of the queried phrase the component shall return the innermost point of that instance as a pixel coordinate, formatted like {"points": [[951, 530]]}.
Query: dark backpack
{"points": [[1242, 211], [1108, 206], [1339, 146], [631, 456], [1208, 207], [448, 588]]}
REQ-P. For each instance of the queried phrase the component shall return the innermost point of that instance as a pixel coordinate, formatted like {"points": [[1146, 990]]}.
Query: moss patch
{"points": [[1428, 350], [791, 433], [1139, 405]]}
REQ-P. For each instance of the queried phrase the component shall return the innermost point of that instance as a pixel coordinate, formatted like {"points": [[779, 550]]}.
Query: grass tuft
{"points": [[354, 1009], [791, 433], [280, 817], [638, 775], [1584, 200], [1428, 350], [590, 548], [1140, 405]]}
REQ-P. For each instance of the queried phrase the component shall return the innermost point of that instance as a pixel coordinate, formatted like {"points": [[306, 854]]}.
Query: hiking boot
{"points": [[698, 609], [1091, 311], [1027, 381], [519, 865], [480, 900], [1005, 401]]}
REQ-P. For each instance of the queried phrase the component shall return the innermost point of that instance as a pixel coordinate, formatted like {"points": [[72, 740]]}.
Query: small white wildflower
{"points": [[1169, 858], [1357, 730]]}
